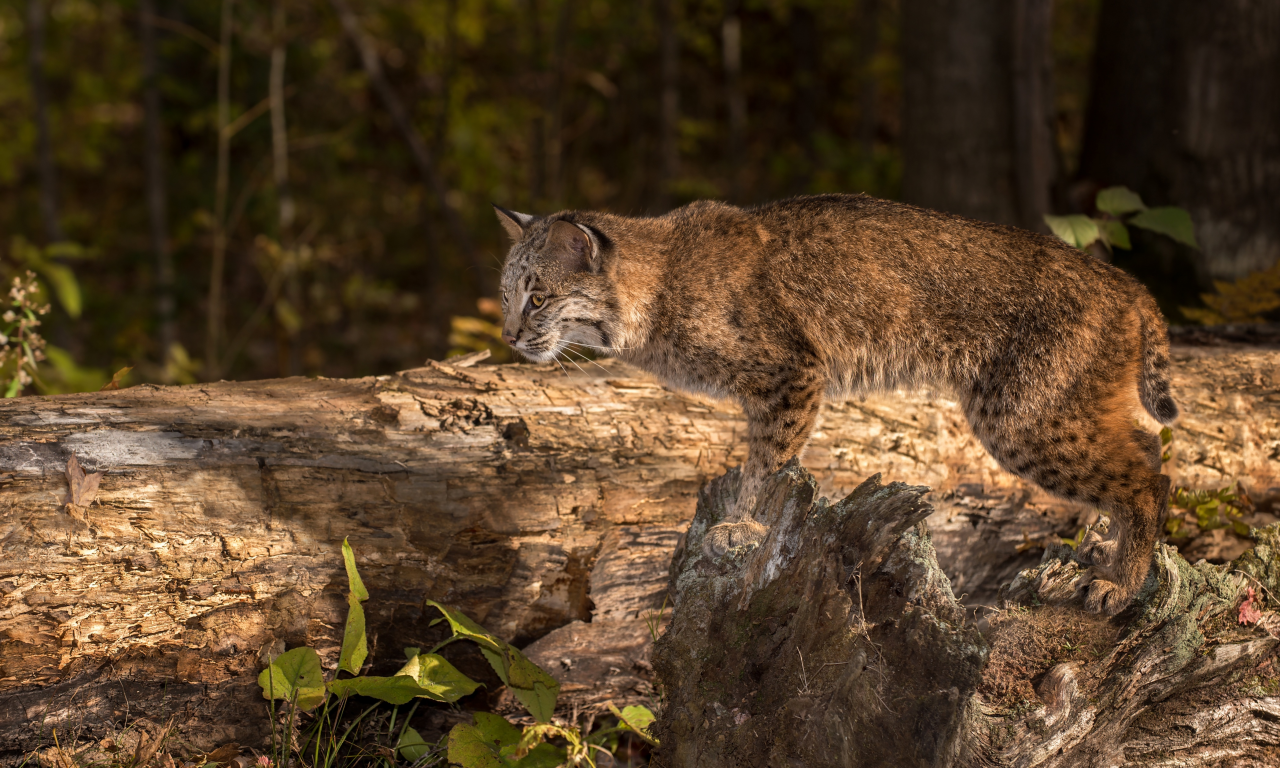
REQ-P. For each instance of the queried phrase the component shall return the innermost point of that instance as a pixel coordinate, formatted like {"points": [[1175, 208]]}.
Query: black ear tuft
{"points": [[574, 246], [514, 223]]}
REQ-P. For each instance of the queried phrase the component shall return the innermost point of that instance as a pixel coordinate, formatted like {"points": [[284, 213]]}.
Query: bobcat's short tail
{"points": [[1153, 384]]}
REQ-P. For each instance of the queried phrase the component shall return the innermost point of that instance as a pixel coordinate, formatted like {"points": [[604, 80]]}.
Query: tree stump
{"points": [[837, 642]]}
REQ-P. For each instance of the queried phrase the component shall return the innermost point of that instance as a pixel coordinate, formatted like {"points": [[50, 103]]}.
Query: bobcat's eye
{"points": [[537, 299]]}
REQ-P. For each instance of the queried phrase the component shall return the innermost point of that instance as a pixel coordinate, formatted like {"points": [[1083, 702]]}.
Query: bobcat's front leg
{"points": [[778, 426]]}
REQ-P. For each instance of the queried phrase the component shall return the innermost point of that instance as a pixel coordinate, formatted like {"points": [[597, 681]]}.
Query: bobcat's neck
{"points": [[637, 269]]}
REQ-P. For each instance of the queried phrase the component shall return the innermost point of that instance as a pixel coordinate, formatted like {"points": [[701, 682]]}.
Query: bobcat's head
{"points": [[554, 290]]}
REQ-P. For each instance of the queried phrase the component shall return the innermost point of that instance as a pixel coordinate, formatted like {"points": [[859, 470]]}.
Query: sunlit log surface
{"points": [[543, 504]]}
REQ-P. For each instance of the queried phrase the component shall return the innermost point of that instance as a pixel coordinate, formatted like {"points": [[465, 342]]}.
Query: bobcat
{"points": [[1047, 349]]}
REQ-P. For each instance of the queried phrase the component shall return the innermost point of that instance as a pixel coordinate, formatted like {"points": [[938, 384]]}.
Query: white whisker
{"points": [[596, 346], [586, 359], [575, 365]]}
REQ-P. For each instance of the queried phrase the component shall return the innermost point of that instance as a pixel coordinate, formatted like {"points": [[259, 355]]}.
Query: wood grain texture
{"points": [[529, 498], [838, 642]]}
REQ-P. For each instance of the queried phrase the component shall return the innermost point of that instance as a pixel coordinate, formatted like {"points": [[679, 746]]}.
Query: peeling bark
{"points": [[545, 506], [838, 642]]}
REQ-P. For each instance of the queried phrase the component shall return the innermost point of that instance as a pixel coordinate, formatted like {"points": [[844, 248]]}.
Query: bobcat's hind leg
{"points": [[1084, 448], [778, 427], [1116, 582]]}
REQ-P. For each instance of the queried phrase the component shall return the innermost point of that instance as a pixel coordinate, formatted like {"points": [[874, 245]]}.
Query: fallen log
{"points": [[545, 505], [838, 642]]}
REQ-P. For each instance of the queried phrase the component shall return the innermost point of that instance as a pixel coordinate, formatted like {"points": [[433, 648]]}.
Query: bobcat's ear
{"points": [[514, 223], [576, 247]]}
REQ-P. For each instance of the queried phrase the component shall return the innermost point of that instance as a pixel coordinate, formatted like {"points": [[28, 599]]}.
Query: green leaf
{"points": [[428, 676], [293, 674], [1115, 234], [1173, 525], [532, 686], [438, 678], [1207, 515], [354, 643], [464, 626], [637, 719], [68, 250], [482, 745], [355, 583], [543, 756], [1241, 529], [468, 748], [496, 730], [65, 285], [1077, 230], [411, 746], [398, 689], [1166, 436], [1119, 200], [1169, 221]]}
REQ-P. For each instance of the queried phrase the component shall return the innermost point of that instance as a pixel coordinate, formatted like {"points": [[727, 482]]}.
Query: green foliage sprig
{"points": [[21, 345], [1120, 208], [1247, 300], [489, 741], [1213, 509]]}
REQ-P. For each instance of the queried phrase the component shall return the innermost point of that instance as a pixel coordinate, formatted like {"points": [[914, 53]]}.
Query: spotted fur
{"points": [[1050, 352]]}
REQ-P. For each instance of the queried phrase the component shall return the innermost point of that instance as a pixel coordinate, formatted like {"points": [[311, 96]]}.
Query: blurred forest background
{"points": [[255, 188]]}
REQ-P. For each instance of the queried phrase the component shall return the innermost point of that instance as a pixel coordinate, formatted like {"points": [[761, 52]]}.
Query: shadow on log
{"points": [[545, 506], [838, 642]]}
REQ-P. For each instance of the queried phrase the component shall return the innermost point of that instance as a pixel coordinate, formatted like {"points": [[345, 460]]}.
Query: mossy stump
{"points": [[838, 642], [835, 642]]}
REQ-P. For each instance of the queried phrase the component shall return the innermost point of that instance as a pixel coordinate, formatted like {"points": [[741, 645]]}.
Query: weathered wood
{"points": [[530, 498], [216, 528], [838, 642]]}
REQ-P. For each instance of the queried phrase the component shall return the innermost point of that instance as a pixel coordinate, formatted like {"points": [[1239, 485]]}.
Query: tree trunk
{"points": [[734, 97], [1183, 110], [157, 192], [669, 114], [215, 320], [413, 139], [545, 506], [806, 98], [838, 642], [868, 80], [36, 26], [537, 74], [289, 339], [977, 102]]}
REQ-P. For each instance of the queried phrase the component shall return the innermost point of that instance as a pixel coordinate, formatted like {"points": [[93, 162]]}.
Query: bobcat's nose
{"points": [[508, 338]]}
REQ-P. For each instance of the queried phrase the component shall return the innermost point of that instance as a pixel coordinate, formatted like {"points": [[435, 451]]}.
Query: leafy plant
{"points": [[1212, 509], [1246, 300], [21, 345], [490, 741], [46, 263], [1119, 209]]}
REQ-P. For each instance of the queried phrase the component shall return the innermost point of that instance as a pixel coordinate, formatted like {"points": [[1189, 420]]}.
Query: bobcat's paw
{"points": [[1097, 551], [1107, 597], [725, 536]]}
